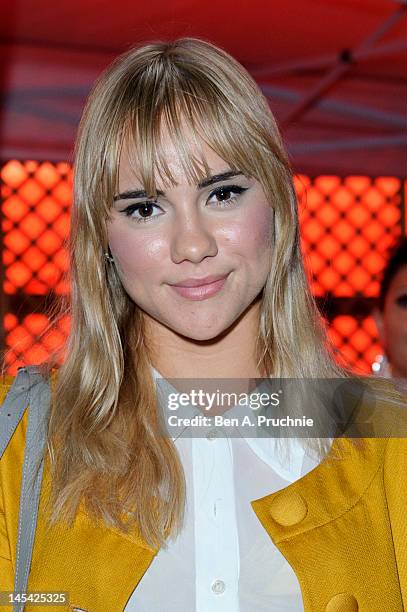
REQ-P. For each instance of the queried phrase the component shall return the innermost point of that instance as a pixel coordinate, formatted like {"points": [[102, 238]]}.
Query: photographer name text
{"points": [[247, 421]]}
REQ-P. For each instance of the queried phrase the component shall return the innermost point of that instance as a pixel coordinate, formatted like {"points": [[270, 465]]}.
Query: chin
{"points": [[201, 337], [200, 334]]}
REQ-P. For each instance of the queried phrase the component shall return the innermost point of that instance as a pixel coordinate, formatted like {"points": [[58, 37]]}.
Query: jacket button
{"points": [[343, 602], [288, 509]]}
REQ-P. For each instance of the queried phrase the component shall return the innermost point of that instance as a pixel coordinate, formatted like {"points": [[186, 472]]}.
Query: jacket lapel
{"points": [[332, 526], [98, 566]]}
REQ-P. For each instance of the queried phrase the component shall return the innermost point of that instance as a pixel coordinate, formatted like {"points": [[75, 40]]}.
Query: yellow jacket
{"points": [[342, 527]]}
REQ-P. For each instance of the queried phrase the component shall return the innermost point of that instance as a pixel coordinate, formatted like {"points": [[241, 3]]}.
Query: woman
{"points": [[181, 178], [391, 315]]}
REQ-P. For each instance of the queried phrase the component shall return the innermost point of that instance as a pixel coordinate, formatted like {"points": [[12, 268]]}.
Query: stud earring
{"points": [[108, 257]]}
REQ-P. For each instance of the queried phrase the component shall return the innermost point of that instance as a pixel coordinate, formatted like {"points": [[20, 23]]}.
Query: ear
{"points": [[378, 319]]}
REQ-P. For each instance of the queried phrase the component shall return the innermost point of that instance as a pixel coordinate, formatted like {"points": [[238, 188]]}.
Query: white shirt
{"points": [[224, 560]]}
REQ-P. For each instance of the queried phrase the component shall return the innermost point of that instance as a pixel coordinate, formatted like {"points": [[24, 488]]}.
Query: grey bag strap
{"points": [[29, 387], [13, 408]]}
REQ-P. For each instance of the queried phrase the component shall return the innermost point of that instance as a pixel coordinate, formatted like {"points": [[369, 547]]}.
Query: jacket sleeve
{"points": [[395, 482], [6, 567]]}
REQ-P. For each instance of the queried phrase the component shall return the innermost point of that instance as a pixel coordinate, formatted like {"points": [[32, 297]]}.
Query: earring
{"points": [[108, 257], [381, 366]]}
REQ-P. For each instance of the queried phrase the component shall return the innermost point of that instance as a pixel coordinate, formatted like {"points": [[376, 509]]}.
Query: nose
{"points": [[193, 238]]}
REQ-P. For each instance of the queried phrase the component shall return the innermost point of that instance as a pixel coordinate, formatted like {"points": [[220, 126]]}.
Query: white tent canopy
{"points": [[335, 71]]}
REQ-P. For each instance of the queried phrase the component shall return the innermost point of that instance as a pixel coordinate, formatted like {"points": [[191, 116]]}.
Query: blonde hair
{"points": [[102, 436]]}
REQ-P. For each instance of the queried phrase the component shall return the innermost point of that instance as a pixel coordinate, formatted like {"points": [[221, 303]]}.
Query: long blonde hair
{"points": [[102, 438]]}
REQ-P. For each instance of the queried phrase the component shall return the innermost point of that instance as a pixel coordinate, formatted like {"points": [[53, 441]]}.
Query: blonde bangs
{"points": [[147, 154], [192, 112]]}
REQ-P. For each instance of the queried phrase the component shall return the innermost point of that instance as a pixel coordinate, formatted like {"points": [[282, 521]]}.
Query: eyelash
{"points": [[236, 189]]}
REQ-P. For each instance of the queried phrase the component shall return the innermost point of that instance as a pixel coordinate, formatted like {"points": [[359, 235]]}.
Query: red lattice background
{"points": [[347, 227]]}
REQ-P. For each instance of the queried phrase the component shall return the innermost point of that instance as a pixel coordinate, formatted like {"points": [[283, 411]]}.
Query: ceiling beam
{"points": [[42, 109], [344, 65], [321, 62], [359, 111]]}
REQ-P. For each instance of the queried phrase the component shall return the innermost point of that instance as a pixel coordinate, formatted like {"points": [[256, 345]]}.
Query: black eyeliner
{"points": [[137, 206], [132, 207], [235, 188]]}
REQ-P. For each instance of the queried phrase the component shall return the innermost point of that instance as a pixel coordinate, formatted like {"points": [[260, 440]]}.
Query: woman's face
{"points": [[222, 227], [392, 323]]}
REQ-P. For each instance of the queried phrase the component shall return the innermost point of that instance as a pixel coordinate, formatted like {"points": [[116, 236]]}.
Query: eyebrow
{"points": [[216, 178]]}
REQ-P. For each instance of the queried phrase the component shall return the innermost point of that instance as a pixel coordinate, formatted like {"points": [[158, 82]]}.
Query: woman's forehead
{"points": [[206, 162]]}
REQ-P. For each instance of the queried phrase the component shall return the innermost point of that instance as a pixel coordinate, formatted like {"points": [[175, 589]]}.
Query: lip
{"points": [[199, 282], [202, 291]]}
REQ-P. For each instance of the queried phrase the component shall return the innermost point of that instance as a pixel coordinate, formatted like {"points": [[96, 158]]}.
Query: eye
{"points": [[226, 195], [143, 209], [402, 300]]}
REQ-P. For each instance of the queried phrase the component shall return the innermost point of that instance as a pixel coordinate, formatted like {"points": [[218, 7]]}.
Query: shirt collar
{"points": [[265, 448]]}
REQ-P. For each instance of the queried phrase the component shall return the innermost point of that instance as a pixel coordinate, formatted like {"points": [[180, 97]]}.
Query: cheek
{"points": [[133, 253], [252, 238]]}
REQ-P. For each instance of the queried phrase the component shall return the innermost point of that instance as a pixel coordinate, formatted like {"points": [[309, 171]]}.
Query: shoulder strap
{"points": [[13, 408], [30, 387]]}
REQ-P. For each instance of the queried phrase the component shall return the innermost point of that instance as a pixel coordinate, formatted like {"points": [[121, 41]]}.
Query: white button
{"points": [[218, 586], [212, 434]]}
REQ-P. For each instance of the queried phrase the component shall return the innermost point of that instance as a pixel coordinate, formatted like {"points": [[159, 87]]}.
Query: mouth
{"points": [[202, 291]]}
